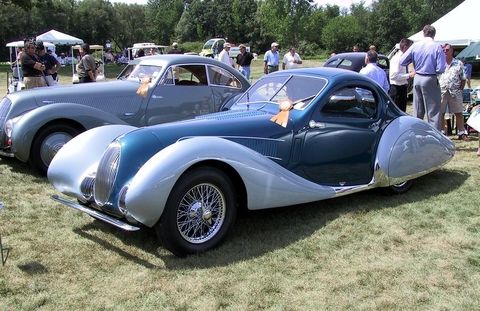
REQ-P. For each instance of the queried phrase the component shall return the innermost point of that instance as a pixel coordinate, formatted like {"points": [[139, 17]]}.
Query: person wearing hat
{"points": [[174, 49], [271, 59], [32, 67], [224, 56], [86, 67], [52, 65]]}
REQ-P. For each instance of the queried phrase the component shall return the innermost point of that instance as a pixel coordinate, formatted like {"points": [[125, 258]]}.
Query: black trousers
{"points": [[399, 95]]}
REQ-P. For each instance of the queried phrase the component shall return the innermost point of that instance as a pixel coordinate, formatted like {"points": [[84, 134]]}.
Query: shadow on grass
{"points": [[18, 167], [258, 232]]}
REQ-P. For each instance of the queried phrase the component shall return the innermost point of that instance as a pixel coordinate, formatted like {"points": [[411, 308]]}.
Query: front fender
{"points": [[29, 124], [80, 157], [267, 183]]}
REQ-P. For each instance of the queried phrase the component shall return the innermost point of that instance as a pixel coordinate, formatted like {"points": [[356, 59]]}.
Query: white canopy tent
{"points": [[57, 37], [459, 27]]}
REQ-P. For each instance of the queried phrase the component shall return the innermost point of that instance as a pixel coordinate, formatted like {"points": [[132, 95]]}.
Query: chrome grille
{"points": [[106, 173]]}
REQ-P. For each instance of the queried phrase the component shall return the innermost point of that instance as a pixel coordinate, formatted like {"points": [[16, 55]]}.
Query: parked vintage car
{"points": [[295, 136], [355, 61], [36, 123]]}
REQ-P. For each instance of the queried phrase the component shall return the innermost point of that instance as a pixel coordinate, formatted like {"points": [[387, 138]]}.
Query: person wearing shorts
{"points": [[452, 82]]}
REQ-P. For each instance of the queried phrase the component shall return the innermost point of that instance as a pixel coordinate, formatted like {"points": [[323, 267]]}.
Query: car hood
{"points": [[241, 123], [78, 93]]}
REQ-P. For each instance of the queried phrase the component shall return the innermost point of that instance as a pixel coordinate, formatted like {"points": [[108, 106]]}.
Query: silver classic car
{"points": [[295, 136], [36, 123]]}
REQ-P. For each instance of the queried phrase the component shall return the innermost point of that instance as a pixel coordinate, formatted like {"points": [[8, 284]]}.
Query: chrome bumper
{"points": [[6, 154], [96, 214]]}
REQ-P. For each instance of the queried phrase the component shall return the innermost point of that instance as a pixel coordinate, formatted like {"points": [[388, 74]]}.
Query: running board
{"points": [[96, 214]]}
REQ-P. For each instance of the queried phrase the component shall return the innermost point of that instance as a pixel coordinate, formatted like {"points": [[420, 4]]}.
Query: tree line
{"points": [[313, 29]]}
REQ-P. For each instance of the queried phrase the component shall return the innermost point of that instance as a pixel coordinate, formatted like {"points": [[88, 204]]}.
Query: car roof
{"points": [[354, 55], [174, 58], [350, 60], [165, 60], [329, 73]]}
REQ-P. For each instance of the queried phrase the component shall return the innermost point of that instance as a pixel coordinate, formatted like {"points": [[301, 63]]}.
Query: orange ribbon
{"points": [[282, 117], [143, 88]]}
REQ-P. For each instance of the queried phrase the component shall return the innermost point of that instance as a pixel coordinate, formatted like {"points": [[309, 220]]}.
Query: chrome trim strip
{"points": [[108, 219]]}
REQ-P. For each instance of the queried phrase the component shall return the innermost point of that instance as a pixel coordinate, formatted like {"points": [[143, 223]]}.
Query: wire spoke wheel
{"points": [[201, 213]]}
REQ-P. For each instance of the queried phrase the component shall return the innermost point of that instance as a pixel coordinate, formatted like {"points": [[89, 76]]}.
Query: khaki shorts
{"points": [[454, 103], [31, 82]]}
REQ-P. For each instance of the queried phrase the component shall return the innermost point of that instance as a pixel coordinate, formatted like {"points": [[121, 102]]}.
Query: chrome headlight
{"points": [[107, 173], [87, 186], [9, 126], [121, 200]]}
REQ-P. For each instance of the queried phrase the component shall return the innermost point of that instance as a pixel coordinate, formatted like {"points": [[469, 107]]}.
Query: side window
{"points": [[351, 102], [220, 76], [382, 63], [168, 77], [190, 75]]}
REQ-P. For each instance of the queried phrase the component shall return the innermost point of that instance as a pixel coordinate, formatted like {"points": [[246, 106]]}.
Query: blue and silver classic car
{"points": [[295, 136]]}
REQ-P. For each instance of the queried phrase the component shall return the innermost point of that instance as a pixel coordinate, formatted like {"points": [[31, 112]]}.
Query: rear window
{"points": [[341, 63]]}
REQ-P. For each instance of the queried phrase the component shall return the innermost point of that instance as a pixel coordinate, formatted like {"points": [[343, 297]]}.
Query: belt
{"points": [[424, 74], [32, 76], [400, 84], [244, 65], [272, 66]]}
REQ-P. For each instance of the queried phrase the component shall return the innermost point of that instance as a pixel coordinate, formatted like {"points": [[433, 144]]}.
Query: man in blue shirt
{"points": [[271, 60], [428, 61]]}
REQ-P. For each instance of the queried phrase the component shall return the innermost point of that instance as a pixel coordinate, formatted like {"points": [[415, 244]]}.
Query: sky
{"points": [[340, 3]]}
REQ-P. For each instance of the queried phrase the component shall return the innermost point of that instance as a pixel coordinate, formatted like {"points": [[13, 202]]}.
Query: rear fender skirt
{"points": [[409, 148]]}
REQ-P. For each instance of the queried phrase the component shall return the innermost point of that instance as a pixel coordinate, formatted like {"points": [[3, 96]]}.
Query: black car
{"points": [[355, 61]]}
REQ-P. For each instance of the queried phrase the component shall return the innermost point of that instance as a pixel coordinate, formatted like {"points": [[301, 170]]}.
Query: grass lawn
{"points": [[366, 251]]}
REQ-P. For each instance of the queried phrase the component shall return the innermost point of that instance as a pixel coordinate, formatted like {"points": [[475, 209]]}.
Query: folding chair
{"points": [[467, 108]]}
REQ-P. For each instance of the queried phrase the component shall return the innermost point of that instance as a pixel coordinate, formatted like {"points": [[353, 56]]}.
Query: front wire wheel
{"points": [[48, 142], [199, 213]]}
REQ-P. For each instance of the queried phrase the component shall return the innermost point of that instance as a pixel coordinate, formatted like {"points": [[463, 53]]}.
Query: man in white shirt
{"points": [[291, 60], [399, 76], [224, 57], [374, 72]]}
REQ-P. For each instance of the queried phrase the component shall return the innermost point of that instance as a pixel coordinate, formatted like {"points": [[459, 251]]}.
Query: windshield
{"points": [[137, 72], [208, 44], [299, 89]]}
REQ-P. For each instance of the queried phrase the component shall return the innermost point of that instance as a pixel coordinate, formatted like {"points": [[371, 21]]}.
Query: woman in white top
{"points": [[291, 60]]}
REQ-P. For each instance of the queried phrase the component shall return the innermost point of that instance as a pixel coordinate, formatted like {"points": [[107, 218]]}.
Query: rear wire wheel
{"points": [[200, 212], [400, 188]]}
